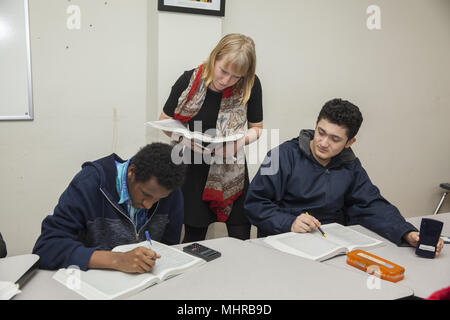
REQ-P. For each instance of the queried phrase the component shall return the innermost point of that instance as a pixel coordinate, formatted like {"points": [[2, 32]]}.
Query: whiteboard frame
{"points": [[30, 115]]}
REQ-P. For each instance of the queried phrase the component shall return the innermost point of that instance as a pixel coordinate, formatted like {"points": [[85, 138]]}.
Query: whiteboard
{"points": [[16, 98]]}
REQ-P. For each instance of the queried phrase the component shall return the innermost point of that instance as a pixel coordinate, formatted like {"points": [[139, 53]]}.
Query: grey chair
{"points": [[446, 187]]}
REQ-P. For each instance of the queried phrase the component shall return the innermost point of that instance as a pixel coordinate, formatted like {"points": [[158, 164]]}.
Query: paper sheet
{"points": [[8, 290]]}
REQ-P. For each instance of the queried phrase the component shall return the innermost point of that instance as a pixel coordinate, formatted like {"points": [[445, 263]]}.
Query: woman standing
{"points": [[223, 94]]}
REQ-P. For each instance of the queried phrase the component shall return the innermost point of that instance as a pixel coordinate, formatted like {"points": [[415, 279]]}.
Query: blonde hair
{"points": [[239, 50]]}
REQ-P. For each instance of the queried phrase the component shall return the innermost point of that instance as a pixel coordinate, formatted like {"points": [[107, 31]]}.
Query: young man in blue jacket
{"points": [[318, 173], [112, 202]]}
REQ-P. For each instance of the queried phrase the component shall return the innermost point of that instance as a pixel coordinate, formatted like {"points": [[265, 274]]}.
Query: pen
{"points": [[321, 231], [147, 235]]}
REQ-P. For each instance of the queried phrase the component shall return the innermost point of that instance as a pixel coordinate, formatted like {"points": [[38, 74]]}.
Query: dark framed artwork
{"points": [[208, 7]]}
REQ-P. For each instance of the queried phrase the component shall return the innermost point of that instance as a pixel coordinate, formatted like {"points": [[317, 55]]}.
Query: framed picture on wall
{"points": [[208, 7]]}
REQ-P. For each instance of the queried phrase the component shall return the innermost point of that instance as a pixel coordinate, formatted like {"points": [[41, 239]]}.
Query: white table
{"points": [[245, 271], [14, 268], [252, 272], [423, 276]]}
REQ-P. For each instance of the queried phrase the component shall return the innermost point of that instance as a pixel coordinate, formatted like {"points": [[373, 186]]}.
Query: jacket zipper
{"points": [[127, 217], [148, 221], [327, 172]]}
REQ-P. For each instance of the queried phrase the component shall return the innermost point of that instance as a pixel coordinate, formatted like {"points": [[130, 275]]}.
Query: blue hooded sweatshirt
{"points": [[88, 217], [340, 192]]}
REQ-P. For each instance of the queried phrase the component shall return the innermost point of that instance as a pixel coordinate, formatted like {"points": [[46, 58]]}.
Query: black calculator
{"points": [[201, 251]]}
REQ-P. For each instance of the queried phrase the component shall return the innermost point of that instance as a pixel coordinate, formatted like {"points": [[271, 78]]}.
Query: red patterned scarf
{"points": [[225, 182]]}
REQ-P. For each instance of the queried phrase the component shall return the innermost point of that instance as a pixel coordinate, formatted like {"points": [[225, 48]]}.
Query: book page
{"points": [[96, 284], [307, 245], [171, 125], [348, 238], [172, 261], [176, 126], [8, 290], [111, 284]]}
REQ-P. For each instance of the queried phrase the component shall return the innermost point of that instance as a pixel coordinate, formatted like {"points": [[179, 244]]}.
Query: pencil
{"points": [[321, 231]]}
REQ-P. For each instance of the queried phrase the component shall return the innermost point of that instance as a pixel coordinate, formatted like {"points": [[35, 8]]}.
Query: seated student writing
{"points": [[112, 202], [319, 174]]}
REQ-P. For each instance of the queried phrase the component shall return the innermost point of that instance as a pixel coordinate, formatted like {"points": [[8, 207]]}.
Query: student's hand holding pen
{"points": [[138, 260], [305, 223]]}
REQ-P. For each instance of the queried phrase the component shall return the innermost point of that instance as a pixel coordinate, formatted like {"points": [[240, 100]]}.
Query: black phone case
{"points": [[430, 232], [201, 251]]}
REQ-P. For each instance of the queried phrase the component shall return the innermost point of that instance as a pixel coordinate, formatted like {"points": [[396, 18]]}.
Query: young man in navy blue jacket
{"points": [[112, 202], [318, 173]]}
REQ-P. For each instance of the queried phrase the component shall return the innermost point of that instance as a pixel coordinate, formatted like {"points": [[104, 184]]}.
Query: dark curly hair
{"points": [[154, 160], [342, 113]]}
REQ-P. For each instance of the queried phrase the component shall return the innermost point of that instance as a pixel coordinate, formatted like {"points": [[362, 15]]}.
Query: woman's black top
{"points": [[196, 211]]}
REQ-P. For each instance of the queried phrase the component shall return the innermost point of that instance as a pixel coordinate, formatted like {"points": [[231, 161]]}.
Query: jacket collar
{"points": [[107, 171], [307, 135]]}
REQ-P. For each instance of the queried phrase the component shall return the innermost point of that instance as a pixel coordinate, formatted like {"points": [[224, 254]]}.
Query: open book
{"points": [[111, 284], [314, 246], [178, 127]]}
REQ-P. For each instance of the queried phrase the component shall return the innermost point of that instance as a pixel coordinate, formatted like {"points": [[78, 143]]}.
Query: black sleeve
{"points": [[177, 89], [254, 104], [3, 251]]}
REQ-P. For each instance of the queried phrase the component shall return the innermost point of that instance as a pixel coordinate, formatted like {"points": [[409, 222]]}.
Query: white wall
{"points": [[182, 42], [311, 51], [89, 101], [95, 87]]}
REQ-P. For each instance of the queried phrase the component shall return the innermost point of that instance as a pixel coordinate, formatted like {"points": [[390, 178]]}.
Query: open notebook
{"points": [[110, 284], [314, 246]]}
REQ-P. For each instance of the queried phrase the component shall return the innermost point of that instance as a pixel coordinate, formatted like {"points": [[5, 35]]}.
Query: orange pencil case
{"points": [[375, 265]]}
